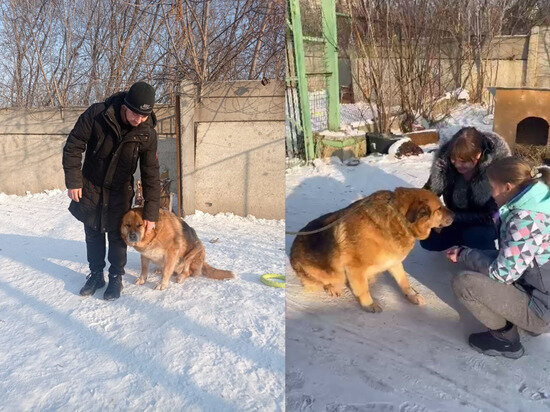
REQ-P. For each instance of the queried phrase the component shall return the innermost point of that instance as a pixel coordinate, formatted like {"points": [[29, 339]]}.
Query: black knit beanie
{"points": [[140, 98]]}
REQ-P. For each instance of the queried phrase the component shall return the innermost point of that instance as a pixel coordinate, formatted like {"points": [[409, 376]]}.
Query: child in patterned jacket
{"points": [[510, 287]]}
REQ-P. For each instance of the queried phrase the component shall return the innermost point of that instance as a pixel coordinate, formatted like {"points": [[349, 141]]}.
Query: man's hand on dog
{"points": [[75, 194], [148, 225]]}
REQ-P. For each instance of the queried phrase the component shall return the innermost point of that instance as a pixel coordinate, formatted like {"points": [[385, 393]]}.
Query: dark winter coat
{"points": [[471, 201], [106, 176]]}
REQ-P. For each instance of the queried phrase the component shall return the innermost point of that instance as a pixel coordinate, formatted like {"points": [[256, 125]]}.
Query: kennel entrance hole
{"points": [[532, 131]]}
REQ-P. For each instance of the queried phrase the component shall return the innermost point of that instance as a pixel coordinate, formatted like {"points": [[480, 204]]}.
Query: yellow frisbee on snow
{"points": [[267, 280]]}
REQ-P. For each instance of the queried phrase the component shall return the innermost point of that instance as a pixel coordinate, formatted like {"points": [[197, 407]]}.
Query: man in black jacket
{"points": [[114, 134]]}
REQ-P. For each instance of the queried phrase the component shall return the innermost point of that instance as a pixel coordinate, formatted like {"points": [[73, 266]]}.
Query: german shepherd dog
{"points": [[172, 245], [368, 237]]}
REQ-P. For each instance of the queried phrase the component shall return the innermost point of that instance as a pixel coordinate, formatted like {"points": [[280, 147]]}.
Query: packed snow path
{"points": [[200, 345], [340, 358]]}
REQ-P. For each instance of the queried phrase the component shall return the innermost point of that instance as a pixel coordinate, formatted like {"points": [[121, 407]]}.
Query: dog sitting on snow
{"points": [[368, 237], [172, 245]]}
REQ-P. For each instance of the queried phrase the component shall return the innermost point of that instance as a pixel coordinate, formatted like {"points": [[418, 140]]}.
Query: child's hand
{"points": [[452, 254]]}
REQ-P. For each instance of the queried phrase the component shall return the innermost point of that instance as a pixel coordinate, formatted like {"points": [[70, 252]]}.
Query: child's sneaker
{"points": [[500, 342]]}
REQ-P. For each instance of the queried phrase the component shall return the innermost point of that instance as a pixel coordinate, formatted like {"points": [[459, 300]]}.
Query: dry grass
{"points": [[535, 155]]}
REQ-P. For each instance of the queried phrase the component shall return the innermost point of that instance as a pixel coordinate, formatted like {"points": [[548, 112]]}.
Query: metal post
{"points": [[331, 63], [178, 151], [300, 61], [188, 98]]}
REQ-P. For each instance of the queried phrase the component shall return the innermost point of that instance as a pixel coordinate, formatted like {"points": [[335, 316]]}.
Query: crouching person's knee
{"points": [[464, 285]]}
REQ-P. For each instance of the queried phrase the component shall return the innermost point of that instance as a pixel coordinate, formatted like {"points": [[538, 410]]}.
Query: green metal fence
{"points": [[300, 112]]}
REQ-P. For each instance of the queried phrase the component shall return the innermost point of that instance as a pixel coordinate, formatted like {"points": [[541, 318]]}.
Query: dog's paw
{"points": [[333, 290], [415, 299], [157, 271], [374, 308], [140, 281], [161, 286]]}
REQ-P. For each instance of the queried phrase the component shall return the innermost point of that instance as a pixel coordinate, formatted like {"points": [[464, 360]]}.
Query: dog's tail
{"points": [[213, 273], [309, 283]]}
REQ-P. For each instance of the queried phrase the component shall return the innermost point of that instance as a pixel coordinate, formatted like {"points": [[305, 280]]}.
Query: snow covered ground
{"points": [[349, 113], [465, 114], [200, 345], [407, 358]]}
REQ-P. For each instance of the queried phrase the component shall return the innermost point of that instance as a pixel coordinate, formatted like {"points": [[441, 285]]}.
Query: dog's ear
{"points": [[418, 211]]}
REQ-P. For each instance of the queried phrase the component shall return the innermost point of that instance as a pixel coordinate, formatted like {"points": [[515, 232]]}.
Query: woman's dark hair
{"points": [[466, 144], [517, 172]]}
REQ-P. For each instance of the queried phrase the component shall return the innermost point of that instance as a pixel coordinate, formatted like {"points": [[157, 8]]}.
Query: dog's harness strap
{"points": [[311, 232], [357, 206], [350, 210]]}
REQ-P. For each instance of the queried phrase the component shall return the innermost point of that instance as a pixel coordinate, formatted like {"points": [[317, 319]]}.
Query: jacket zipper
{"points": [[113, 125]]}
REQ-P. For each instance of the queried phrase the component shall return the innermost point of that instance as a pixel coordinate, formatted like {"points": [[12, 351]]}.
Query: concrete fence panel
{"points": [[32, 140], [239, 140], [509, 61], [232, 148], [31, 163]]}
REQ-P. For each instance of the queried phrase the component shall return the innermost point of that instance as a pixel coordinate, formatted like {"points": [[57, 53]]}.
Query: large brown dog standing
{"points": [[370, 236], [172, 245]]}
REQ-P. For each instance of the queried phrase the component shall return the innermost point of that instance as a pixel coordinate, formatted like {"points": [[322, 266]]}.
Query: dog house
{"points": [[522, 115]]}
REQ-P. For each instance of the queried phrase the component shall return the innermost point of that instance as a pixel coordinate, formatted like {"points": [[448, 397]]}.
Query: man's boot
{"points": [[500, 342], [113, 288], [94, 281]]}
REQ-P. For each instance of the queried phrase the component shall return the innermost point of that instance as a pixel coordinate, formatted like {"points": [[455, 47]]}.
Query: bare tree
{"points": [[522, 15], [401, 45], [225, 39], [412, 52], [485, 23], [62, 52]]}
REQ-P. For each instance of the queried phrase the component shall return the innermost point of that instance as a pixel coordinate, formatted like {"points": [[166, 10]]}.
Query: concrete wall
{"points": [[247, 176], [235, 161], [238, 165], [538, 67], [505, 65], [30, 163], [510, 61], [31, 143], [32, 140]]}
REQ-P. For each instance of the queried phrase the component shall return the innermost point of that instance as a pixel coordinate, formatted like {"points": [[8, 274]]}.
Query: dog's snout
{"points": [[132, 237]]}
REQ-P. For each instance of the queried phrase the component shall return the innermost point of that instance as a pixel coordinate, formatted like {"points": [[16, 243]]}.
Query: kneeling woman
{"points": [[511, 287], [458, 173]]}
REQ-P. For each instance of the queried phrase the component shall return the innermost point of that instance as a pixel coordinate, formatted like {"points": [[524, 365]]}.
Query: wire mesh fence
{"points": [[318, 110], [294, 131]]}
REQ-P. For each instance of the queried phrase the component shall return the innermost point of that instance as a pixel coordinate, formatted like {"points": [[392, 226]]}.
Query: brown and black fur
{"points": [[371, 236], [172, 245]]}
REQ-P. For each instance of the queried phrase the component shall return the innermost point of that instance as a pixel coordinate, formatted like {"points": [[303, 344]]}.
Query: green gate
{"points": [[299, 139]]}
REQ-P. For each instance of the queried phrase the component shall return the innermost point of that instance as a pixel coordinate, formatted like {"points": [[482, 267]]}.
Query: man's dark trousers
{"points": [[95, 248]]}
